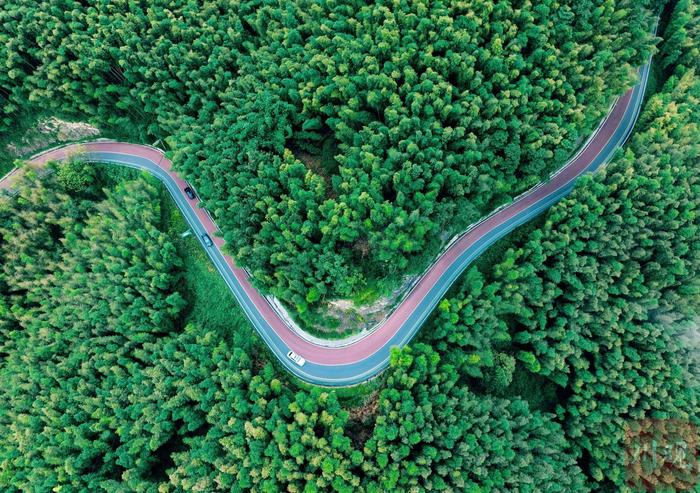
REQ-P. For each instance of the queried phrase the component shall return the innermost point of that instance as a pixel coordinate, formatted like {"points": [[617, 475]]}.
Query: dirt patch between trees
{"points": [[50, 132], [361, 420], [352, 318]]}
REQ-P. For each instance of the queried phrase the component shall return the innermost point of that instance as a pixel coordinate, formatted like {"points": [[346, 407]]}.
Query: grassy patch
{"points": [[210, 303], [353, 396], [368, 294], [357, 395]]}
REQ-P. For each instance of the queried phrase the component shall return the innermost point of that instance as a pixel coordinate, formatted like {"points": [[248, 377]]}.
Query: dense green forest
{"points": [[336, 142], [524, 380], [104, 390]]}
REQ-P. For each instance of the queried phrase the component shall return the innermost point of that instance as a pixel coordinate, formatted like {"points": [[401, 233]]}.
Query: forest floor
{"points": [[361, 419], [357, 314], [47, 133]]}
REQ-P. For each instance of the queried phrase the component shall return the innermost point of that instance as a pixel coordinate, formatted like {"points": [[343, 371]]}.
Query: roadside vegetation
{"points": [[6, 167], [108, 384], [114, 376], [210, 302]]}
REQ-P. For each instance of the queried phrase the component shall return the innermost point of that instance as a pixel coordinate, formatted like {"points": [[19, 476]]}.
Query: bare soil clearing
{"points": [[352, 316], [50, 132]]}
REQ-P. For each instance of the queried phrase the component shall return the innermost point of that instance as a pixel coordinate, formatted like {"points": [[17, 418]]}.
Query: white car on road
{"points": [[296, 358]]}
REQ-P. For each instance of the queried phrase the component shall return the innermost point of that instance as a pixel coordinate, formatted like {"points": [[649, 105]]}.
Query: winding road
{"points": [[363, 358]]}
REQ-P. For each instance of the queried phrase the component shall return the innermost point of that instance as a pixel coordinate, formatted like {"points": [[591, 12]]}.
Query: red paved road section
{"points": [[371, 343]]}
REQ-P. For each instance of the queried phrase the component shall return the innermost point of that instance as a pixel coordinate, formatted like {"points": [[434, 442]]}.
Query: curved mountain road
{"points": [[366, 357]]}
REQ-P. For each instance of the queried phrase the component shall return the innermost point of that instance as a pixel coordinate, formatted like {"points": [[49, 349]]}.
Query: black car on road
{"points": [[190, 193]]}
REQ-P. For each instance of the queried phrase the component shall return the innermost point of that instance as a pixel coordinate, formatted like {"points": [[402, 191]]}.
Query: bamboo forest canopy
{"points": [[526, 378], [335, 141]]}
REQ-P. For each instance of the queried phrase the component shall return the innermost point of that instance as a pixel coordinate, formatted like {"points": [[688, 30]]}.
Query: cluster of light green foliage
{"points": [[335, 141], [86, 286]]}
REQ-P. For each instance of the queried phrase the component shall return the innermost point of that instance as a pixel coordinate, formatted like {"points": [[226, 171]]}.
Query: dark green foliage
{"points": [[6, 167], [103, 391], [262, 435], [423, 115], [615, 268], [680, 49]]}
